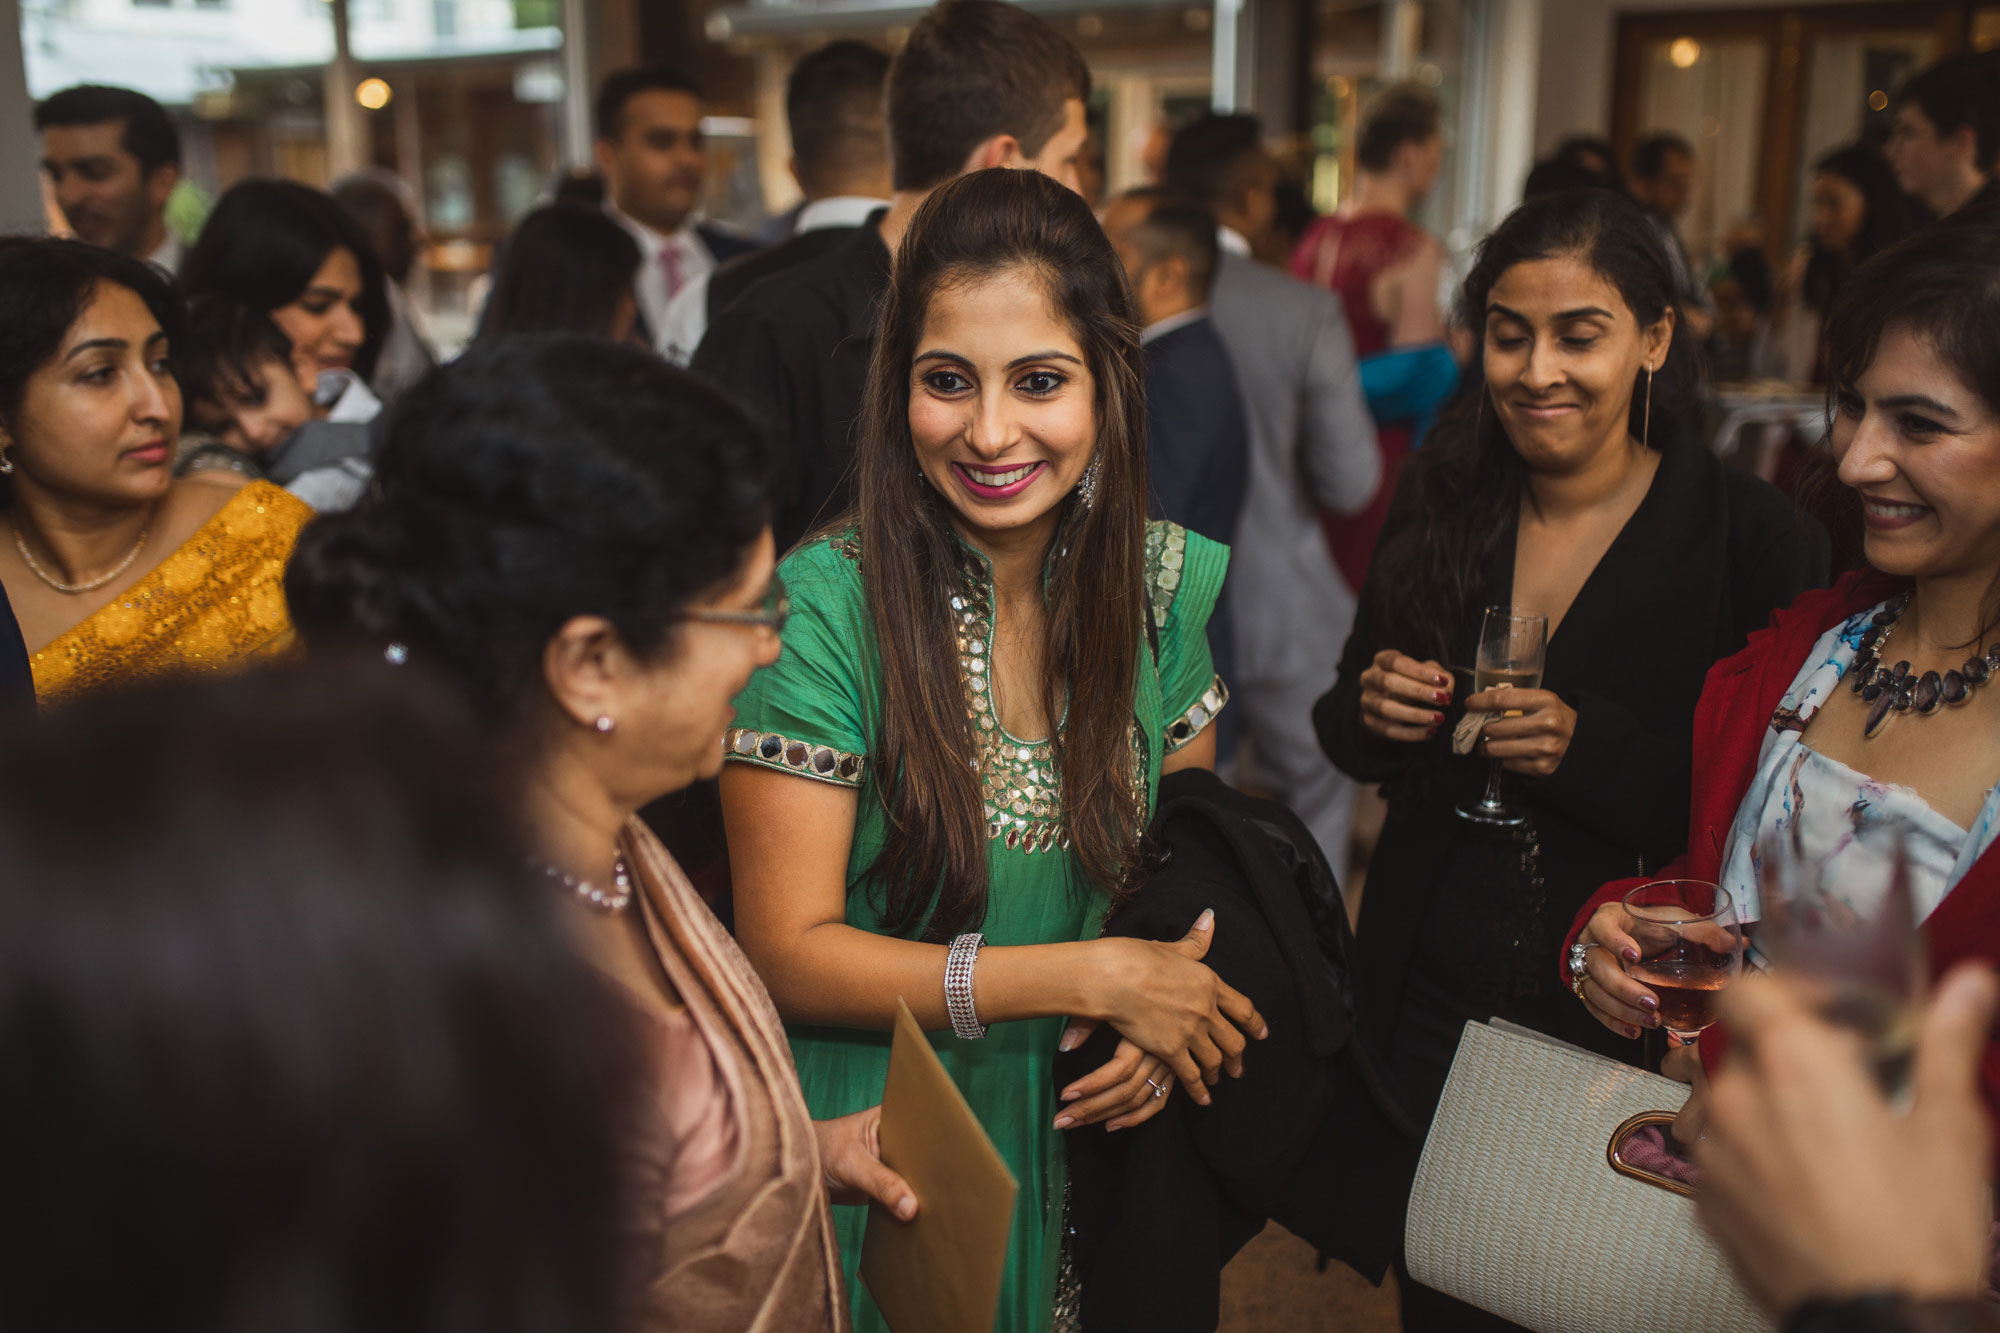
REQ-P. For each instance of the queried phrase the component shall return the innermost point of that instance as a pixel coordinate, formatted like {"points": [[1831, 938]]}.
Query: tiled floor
{"points": [[1275, 1286]]}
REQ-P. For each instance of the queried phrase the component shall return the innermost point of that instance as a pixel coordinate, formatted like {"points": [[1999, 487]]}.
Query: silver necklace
{"points": [[615, 899], [93, 585]]}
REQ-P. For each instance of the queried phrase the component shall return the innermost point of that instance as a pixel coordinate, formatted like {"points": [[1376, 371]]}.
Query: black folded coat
{"points": [[1157, 1210]]}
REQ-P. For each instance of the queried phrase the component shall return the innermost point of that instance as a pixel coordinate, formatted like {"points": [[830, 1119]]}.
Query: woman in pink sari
{"points": [[577, 538]]}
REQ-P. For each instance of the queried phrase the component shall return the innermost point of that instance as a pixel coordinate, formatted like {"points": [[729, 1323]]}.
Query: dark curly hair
{"points": [[533, 480], [290, 1027], [1460, 489]]}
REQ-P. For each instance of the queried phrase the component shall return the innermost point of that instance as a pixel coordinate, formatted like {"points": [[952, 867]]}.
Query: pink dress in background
{"points": [[1345, 255]]}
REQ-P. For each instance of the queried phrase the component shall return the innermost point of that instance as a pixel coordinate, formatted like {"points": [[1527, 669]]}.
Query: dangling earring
{"points": [[6, 464], [1086, 490], [604, 724], [1646, 424]]}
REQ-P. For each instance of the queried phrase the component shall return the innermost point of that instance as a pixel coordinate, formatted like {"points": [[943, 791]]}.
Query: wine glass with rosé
{"points": [[1690, 947]]}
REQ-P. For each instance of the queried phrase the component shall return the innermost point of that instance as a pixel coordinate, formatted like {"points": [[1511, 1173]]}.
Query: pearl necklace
{"points": [[35, 568], [614, 899], [1891, 690]]}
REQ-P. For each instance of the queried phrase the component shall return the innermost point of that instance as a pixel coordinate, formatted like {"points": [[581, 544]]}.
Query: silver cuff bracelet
{"points": [[958, 986]]}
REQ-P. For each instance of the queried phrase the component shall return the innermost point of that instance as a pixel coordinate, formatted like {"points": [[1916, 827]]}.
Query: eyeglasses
{"points": [[772, 615]]}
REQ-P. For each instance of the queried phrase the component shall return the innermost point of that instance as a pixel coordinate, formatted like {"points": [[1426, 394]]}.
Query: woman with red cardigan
{"points": [[1790, 735]]}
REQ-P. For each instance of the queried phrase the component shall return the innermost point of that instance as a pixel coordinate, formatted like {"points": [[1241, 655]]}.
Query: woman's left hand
{"points": [[1533, 743], [1131, 1086], [850, 1153]]}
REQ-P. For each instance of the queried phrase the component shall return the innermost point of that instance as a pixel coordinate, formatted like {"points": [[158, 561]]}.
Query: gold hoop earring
{"points": [[1646, 424]]}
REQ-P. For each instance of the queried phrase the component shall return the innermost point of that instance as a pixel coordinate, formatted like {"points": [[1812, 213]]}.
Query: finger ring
{"points": [[1576, 980], [1578, 952], [1159, 1089]]}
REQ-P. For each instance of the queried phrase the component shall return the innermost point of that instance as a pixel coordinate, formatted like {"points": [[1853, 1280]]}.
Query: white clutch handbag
{"points": [[1522, 1207]]}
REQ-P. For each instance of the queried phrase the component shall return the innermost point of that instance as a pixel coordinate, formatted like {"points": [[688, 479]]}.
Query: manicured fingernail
{"points": [[1439, 678], [1065, 1121], [1437, 718], [1070, 1038], [1205, 920], [1629, 954], [1263, 1031], [1649, 1002], [906, 1207], [1114, 1127], [1631, 1032], [1071, 1094], [1652, 1020], [1202, 1097], [1236, 1071], [1440, 696]]}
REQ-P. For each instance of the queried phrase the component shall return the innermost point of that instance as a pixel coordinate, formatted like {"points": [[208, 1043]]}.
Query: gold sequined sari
{"points": [[216, 601]]}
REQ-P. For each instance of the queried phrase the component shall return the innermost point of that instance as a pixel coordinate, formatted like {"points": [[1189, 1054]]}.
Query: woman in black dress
{"points": [[1569, 480]]}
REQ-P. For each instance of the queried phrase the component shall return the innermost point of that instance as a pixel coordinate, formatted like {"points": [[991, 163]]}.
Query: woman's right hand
{"points": [[1166, 1001], [1401, 698], [1614, 999]]}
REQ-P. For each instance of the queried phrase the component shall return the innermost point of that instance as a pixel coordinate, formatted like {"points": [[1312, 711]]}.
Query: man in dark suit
{"points": [[979, 83], [1197, 437], [649, 147], [840, 158]]}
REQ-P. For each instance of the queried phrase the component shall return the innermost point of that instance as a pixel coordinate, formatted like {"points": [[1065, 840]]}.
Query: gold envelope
{"points": [[939, 1273]]}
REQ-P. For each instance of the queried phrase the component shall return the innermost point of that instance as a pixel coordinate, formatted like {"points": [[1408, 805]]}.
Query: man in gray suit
{"points": [[1312, 445]]}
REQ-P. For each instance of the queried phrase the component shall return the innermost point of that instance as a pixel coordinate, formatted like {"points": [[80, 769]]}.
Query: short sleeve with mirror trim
{"points": [[1184, 573], [811, 712]]}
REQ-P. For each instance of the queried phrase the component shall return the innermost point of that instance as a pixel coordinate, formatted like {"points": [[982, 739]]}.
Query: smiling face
{"points": [[1562, 354], [324, 321], [1923, 452], [1002, 405], [98, 420], [107, 197]]}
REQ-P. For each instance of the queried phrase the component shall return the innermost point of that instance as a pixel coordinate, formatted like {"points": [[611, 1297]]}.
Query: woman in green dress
{"points": [[987, 668]]}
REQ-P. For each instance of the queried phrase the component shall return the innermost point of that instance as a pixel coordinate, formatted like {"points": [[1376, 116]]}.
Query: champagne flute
{"points": [[1512, 644], [1690, 947], [1845, 932]]}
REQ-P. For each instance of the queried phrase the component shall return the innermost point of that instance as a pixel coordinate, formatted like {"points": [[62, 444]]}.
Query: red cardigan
{"points": [[1737, 701]]}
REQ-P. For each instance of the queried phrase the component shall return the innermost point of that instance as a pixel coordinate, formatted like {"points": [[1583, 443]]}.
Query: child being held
{"points": [[245, 392]]}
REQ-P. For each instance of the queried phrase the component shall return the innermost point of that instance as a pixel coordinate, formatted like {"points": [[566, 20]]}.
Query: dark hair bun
{"points": [[531, 481]]}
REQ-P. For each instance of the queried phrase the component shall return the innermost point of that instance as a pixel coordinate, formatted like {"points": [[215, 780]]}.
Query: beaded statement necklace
{"points": [[614, 899], [1891, 690]]}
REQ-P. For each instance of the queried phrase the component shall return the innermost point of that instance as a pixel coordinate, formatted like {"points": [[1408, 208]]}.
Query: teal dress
{"points": [[816, 712]]}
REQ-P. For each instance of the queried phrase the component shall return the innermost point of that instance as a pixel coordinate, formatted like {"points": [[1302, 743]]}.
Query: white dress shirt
{"points": [[686, 319], [691, 258], [169, 255], [1233, 242], [1160, 328]]}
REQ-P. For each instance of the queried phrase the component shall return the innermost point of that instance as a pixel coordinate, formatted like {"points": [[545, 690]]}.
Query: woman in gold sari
{"points": [[577, 538], [116, 571]]}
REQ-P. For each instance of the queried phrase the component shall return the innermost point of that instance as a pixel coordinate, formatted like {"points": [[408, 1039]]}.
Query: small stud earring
{"points": [[604, 723], [6, 464]]}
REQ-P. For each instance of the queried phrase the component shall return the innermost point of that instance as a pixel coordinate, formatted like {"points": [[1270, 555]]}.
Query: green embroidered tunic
{"points": [[816, 712]]}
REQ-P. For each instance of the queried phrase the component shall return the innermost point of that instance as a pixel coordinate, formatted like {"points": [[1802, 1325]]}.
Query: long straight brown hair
{"points": [[932, 868]]}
